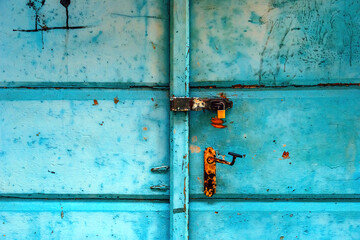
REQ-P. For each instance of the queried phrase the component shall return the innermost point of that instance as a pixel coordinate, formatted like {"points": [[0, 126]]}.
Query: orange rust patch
{"points": [[185, 156], [194, 149], [282, 238], [95, 102], [284, 145], [145, 138], [153, 45], [194, 139], [152, 99], [216, 212], [216, 120], [116, 100], [218, 126], [286, 155], [144, 128], [222, 95], [209, 172]]}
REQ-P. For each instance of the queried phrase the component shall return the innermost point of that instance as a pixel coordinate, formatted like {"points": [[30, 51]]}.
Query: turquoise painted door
{"points": [[83, 119], [86, 141], [291, 69]]}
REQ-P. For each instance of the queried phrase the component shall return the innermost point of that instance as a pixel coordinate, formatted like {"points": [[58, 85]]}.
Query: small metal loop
{"points": [[160, 188], [160, 169]]}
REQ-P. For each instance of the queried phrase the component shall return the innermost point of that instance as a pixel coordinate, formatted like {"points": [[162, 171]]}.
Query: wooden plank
{"points": [[83, 219], [179, 124], [274, 220], [274, 43], [84, 142], [298, 143], [109, 42]]}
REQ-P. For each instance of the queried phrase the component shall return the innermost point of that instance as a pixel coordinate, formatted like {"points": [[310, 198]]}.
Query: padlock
{"points": [[220, 114]]}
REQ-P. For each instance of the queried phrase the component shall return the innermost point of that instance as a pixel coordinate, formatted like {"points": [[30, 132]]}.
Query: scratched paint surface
{"points": [[108, 41], [83, 220], [274, 220], [62, 142], [275, 42], [296, 142]]}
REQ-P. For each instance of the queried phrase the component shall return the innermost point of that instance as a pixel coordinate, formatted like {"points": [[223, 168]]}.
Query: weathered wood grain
{"points": [[83, 220], [274, 220], [106, 42], [83, 141], [274, 42], [296, 142]]}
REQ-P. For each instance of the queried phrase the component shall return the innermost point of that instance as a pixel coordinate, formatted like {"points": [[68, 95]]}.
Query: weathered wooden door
{"points": [[84, 117], [292, 70], [86, 141]]}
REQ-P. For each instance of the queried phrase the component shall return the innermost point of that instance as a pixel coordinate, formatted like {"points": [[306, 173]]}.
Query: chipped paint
{"points": [[285, 155], [194, 149]]}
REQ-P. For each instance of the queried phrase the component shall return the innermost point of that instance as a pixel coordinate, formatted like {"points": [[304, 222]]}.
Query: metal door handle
{"points": [[210, 161]]}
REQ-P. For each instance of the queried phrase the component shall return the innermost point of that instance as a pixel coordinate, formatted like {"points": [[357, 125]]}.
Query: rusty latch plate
{"points": [[184, 104]]}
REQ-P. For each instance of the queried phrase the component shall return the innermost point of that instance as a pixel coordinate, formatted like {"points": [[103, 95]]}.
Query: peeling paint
{"points": [[195, 149], [285, 155]]}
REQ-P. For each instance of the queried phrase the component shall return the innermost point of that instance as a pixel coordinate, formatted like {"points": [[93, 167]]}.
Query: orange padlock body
{"points": [[221, 114]]}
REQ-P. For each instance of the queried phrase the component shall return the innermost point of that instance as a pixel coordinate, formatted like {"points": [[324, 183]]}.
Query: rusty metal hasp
{"points": [[210, 161], [184, 104]]}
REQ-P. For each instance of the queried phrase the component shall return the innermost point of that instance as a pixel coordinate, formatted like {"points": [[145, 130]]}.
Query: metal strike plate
{"points": [[184, 104]]}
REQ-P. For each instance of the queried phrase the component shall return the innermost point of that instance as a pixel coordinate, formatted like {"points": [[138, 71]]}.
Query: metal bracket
{"points": [[184, 104], [210, 161]]}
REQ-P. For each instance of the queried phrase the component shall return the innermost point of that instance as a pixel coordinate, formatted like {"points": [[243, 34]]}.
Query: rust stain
{"points": [[284, 145], [286, 155], [282, 238], [153, 45], [152, 99], [194, 149], [38, 134], [145, 128], [216, 212], [199, 180], [222, 95], [62, 213], [95, 102], [116, 100], [185, 156], [102, 123], [209, 172], [194, 139], [145, 138]]}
